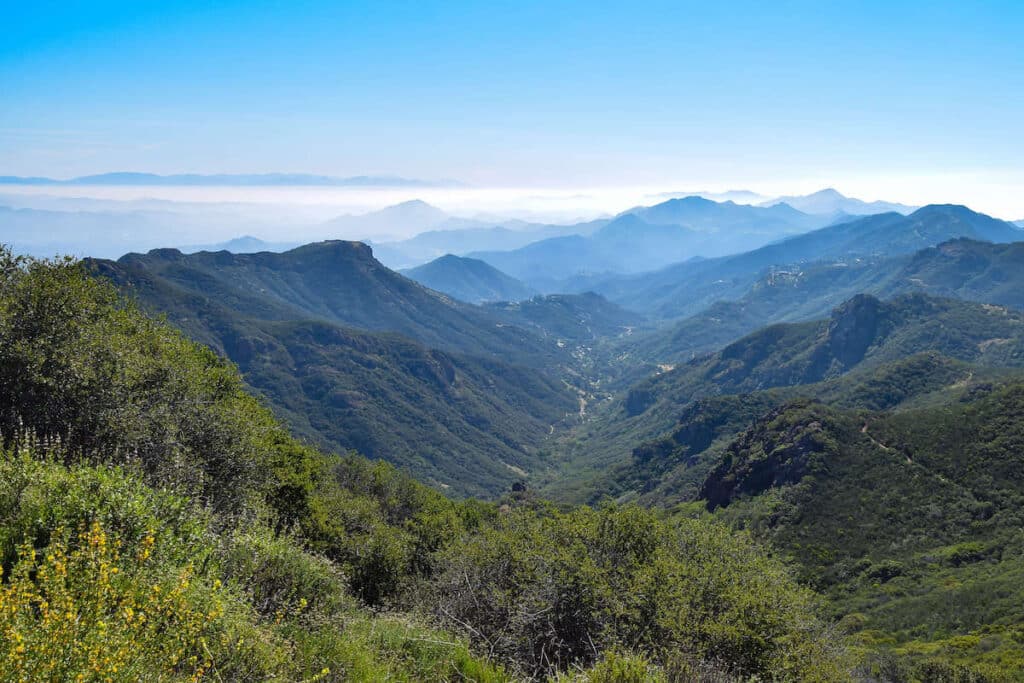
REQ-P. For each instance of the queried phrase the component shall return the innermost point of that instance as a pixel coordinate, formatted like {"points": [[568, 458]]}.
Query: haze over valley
{"points": [[659, 342]]}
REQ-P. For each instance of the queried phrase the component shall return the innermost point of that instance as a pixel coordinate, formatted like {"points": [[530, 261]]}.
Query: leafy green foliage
{"points": [[910, 521], [552, 590], [84, 371], [137, 458]]}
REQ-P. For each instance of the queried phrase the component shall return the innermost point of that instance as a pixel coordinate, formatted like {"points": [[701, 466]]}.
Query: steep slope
{"points": [[470, 423], [469, 280], [862, 334], [864, 329], [672, 467], [910, 521], [338, 282], [965, 269]]}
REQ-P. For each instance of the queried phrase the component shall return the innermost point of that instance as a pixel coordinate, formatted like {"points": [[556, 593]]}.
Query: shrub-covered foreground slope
{"points": [[896, 486], [156, 523], [910, 521]]}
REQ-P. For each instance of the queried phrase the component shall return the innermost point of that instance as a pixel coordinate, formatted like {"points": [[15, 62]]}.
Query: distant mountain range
{"points": [[460, 236], [260, 179], [688, 288], [738, 196], [410, 217], [246, 244], [47, 233], [469, 280], [830, 201], [646, 238]]}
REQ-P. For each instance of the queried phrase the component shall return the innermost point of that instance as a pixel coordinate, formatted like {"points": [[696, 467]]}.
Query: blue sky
{"points": [[519, 93]]}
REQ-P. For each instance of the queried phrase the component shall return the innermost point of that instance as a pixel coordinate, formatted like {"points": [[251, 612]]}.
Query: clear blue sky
{"points": [[534, 93]]}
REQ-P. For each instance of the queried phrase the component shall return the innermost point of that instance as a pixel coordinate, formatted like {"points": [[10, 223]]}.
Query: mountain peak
{"points": [[346, 249], [469, 279], [414, 204], [945, 209]]}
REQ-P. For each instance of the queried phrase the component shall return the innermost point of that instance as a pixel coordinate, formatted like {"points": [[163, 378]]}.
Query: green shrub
{"points": [[550, 591]]}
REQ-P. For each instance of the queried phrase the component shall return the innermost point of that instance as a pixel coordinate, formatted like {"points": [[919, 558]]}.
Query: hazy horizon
{"points": [[915, 103]]}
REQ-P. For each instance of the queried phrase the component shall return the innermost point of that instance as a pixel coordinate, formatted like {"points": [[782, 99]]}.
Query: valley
{"points": [[816, 392]]}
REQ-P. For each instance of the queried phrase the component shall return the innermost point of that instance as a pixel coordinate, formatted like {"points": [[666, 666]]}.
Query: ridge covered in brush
{"points": [[466, 421], [862, 334], [338, 282]]}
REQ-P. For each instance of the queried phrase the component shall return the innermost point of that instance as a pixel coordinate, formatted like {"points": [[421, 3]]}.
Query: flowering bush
{"points": [[78, 609]]}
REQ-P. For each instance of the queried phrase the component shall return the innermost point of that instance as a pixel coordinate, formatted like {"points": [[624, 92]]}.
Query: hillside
{"points": [[338, 282], [910, 521], [965, 269], [862, 330], [158, 524], [469, 280], [863, 333], [469, 423], [575, 318], [672, 467]]}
